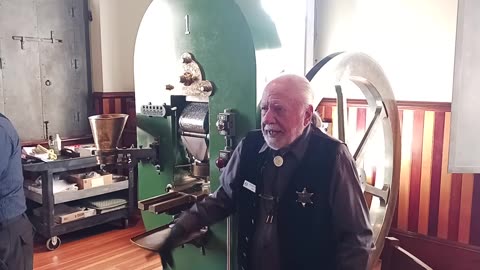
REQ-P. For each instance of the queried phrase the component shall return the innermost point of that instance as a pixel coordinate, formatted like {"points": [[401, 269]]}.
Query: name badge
{"points": [[249, 186]]}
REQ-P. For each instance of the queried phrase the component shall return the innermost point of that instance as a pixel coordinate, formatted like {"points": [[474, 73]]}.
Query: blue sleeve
{"points": [[6, 149]]}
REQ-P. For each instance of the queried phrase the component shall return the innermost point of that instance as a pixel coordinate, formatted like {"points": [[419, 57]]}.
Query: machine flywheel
{"points": [[337, 71]]}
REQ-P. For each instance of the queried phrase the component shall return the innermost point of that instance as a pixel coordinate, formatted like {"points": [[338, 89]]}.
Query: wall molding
{"points": [[402, 105], [113, 94], [438, 253]]}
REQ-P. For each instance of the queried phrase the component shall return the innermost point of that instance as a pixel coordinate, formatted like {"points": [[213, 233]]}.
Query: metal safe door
{"points": [[45, 66], [62, 66], [21, 69]]}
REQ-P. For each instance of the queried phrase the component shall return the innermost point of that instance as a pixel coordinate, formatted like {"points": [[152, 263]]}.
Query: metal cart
{"points": [[46, 226]]}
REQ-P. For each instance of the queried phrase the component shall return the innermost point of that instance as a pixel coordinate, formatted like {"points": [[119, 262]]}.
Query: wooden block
{"points": [[84, 182], [69, 214]]}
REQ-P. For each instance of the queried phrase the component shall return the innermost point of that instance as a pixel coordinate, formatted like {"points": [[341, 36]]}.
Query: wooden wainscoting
{"points": [[438, 253], [119, 102], [432, 202]]}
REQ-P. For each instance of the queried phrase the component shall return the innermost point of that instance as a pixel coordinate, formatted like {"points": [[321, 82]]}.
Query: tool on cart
{"points": [[42, 150]]}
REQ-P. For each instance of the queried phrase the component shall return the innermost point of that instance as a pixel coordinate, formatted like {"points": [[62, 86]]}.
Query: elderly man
{"points": [[16, 233], [295, 191]]}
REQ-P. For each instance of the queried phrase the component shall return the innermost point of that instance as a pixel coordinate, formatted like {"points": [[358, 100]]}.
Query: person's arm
{"points": [[218, 205], [212, 209], [6, 149], [350, 215]]}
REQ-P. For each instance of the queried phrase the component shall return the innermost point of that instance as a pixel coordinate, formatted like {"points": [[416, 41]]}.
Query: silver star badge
{"points": [[304, 197]]}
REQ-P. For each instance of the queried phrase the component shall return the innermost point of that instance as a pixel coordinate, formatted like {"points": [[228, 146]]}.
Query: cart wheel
{"points": [[125, 223], [53, 243]]}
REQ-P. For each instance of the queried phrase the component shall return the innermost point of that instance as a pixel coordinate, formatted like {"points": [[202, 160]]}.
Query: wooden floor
{"points": [[101, 247]]}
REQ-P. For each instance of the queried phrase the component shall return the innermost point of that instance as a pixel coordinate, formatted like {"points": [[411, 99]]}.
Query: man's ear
{"points": [[308, 115]]}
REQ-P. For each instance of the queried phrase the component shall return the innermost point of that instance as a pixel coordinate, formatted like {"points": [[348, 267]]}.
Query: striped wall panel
{"points": [[432, 202]]}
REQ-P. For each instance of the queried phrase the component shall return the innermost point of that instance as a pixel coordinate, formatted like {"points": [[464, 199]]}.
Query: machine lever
{"points": [[174, 201], [164, 206], [144, 204]]}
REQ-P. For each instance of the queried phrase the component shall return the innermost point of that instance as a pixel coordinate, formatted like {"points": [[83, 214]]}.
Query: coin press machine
{"points": [[196, 68]]}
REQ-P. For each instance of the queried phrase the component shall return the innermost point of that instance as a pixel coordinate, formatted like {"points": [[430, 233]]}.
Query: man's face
{"points": [[284, 116]]}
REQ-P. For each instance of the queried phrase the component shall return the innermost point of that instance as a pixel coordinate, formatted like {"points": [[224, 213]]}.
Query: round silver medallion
{"points": [[278, 161]]}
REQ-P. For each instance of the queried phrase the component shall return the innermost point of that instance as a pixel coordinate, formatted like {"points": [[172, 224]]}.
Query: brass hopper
{"points": [[107, 130]]}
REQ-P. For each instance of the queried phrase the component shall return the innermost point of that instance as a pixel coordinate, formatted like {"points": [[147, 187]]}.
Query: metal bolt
{"points": [[206, 88], [187, 58], [187, 78]]}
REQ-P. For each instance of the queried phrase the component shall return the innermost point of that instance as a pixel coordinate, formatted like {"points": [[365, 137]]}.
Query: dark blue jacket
{"points": [[12, 198]]}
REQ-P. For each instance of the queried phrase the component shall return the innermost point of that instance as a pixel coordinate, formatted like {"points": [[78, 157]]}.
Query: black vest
{"points": [[306, 234]]}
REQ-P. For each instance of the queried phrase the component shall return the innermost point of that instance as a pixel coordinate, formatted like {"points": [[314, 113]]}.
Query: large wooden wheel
{"points": [[345, 68]]}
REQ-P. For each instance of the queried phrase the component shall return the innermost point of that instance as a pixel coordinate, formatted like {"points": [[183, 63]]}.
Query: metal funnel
{"points": [[107, 130]]}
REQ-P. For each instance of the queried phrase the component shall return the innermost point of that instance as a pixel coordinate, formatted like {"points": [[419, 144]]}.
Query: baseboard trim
{"points": [[438, 253], [113, 94]]}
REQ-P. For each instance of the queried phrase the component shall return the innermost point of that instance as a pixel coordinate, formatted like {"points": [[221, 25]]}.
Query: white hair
{"points": [[317, 120], [306, 95], [300, 84]]}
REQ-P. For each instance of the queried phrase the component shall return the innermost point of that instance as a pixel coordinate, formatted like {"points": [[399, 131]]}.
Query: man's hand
{"points": [[165, 251]]}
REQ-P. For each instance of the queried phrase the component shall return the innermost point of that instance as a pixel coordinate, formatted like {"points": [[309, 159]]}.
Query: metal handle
{"points": [[187, 24]]}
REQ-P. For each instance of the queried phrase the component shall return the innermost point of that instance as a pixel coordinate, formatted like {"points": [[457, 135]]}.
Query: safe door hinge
{"points": [[72, 12], [75, 63], [76, 117], [24, 39], [1, 63]]}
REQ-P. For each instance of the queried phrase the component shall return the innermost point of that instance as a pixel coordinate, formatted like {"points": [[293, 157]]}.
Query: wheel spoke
{"points": [[368, 134], [380, 193], [341, 112]]}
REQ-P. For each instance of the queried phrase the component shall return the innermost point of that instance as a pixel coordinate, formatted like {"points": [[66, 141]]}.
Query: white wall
{"points": [[464, 153], [112, 36], [413, 41], [289, 19], [290, 56], [95, 46]]}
